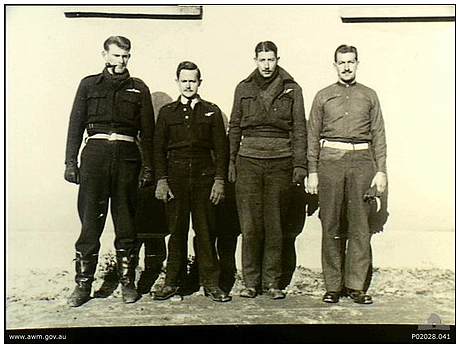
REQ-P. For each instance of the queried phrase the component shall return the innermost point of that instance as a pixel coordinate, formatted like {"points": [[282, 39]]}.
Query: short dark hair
{"points": [[345, 49], [187, 65], [120, 41], [266, 46]]}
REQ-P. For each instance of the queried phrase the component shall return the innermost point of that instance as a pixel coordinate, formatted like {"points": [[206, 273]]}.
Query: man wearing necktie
{"points": [[190, 156]]}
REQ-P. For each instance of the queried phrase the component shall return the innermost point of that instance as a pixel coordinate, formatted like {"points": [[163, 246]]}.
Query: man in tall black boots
{"points": [[114, 109]]}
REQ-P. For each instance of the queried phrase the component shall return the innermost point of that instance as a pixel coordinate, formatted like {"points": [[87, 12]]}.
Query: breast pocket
{"points": [[96, 102], [130, 104], [205, 128], [177, 130], [282, 107], [248, 110]]}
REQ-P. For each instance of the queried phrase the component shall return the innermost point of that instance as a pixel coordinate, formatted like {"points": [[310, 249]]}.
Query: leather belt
{"points": [[345, 146], [112, 137]]}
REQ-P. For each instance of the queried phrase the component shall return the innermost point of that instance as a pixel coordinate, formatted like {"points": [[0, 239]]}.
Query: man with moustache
{"points": [[346, 157], [114, 109], [188, 132], [267, 154]]}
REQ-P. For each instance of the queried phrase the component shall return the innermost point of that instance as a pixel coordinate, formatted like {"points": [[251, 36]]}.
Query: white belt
{"points": [[112, 137], [345, 146]]}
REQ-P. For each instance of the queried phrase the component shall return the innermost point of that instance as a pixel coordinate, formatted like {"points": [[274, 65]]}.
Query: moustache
{"points": [[346, 71]]}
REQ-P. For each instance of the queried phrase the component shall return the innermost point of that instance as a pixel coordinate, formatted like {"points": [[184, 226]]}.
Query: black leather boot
{"points": [[85, 269], [152, 269], [126, 265]]}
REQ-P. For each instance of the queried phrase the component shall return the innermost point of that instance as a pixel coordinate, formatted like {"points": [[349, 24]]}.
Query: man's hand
{"points": [[298, 175], [312, 183], [147, 178], [231, 172], [217, 191], [163, 192], [72, 173], [380, 181]]}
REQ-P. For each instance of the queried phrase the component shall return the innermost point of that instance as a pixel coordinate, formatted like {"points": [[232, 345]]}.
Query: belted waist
{"points": [[112, 137], [103, 128], [344, 145], [265, 133]]}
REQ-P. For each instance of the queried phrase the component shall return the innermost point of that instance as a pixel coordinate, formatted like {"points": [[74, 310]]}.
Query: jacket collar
{"points": [[106, 75], [254, 90]]}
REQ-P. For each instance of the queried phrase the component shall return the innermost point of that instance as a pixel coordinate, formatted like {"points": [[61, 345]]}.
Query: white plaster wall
{"points": [[410, 65]]}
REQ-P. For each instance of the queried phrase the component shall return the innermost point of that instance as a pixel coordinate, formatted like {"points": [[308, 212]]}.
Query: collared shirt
{"points": [[190, 133], [346, 113], [104, 104]]}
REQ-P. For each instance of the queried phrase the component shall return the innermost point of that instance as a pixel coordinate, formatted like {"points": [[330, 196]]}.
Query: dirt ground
{"points": [[37, 299]]}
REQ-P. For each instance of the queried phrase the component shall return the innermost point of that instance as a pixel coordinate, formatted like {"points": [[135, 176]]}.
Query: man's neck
{"points": [[195, 99]]}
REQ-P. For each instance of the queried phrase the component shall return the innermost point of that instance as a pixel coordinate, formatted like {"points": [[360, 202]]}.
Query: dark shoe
{"points": [[79, 296], [276, 294], [129, 294], [359, 296], [126, 265], [166, 292], [152, 269], [331, 297], [248, 292], [217, 295]]}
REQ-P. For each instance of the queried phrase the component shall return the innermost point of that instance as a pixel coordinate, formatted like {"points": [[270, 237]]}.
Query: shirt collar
{"points": [[182, 100], [343, 84]]}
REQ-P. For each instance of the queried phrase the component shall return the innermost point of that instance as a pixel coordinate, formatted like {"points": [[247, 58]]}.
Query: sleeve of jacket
{"points": [[234, 131], [314, 126], [160, 146], [77, 123], [299, 130], [219, 144], [379, 145], [147, 128]]}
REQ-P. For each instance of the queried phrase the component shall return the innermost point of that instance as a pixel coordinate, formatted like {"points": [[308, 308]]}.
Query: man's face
{"points": [[188, 83], [266, 63], [346, 66], [116, 57]]}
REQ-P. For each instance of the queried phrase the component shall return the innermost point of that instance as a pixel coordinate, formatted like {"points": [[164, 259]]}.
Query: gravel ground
{"points": [[37, 299]]}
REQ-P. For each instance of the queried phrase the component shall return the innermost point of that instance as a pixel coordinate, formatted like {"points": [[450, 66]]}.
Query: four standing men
{"points": [[268, 153]]}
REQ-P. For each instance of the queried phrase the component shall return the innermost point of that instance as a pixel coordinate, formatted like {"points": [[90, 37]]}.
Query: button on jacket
{"points": [[190, 133], [104, 105], [278, 115], [347, 113]]}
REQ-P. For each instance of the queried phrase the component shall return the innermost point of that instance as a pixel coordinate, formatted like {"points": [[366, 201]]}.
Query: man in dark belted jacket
{"points": [[267, 153], [114, 109], [190, 181]]}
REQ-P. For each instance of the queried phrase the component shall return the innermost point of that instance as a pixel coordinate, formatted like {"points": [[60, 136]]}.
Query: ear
{"points": [[199, 83], [104, 54]]}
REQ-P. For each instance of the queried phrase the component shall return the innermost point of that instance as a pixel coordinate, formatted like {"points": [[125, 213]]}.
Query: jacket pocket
{"points": [[248, 110], [96, 102], [129, 105], [282, 108]]}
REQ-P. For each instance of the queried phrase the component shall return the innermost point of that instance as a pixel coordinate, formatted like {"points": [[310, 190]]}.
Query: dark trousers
{"points": [[260, 190], [191, 181], [344, 177], [109, 171]]}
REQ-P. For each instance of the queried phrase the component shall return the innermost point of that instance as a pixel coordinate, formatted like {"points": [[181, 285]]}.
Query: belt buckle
{"points": [[112, 136]]}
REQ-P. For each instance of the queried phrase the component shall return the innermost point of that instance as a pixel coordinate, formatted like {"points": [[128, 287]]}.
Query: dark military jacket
{"points": [[105, 105], [285, 116], [193, 133]]}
